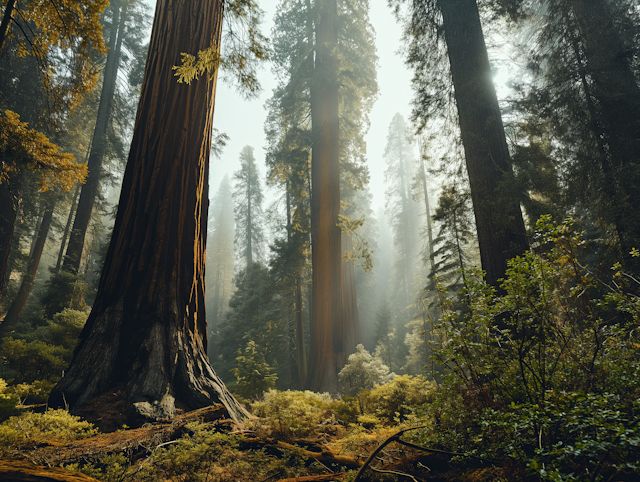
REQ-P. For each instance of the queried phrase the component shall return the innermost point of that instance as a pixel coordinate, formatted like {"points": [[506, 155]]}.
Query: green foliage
{"points": [[254, 375], [396, 400], [35, 428], [568, 437], [292, 413], [547, 374], [63, 290], [35, 359], [203, 454], [363, 371], [9, 401]]}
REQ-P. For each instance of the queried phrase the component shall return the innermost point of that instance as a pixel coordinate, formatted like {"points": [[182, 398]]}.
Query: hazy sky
{"points": [[244, 120]]}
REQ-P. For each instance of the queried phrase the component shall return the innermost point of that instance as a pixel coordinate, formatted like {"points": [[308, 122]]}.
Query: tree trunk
{"points": [[423, 178], [89, 190], [147, 330], [616, 90], [353, 335], [327, 356], [11, 319], [67, 227], [501, 231], [6, 20], [9, 203]]}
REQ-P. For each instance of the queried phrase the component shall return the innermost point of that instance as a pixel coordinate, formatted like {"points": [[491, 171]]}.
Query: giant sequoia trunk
{"points": [[501, 231], [327, 354], [147, 329], [19, 302], [616, 93], [89, 190]]}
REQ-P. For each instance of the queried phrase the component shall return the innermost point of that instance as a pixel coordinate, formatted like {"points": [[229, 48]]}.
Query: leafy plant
{"points": [[363, 371]]}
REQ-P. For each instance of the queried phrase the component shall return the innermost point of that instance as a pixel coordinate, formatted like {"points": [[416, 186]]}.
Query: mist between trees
{"points": [[502, 271]]}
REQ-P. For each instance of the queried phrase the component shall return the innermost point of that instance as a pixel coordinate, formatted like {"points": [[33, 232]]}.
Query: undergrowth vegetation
{"points": [[538, 383]]}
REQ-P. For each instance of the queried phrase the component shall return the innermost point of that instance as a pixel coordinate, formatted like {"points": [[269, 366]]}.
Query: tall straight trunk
{"points": [[327, 355], [89, 191], [617, 93], [353, 335], [67, 227], [19, 302], [499, 223], [6, 21], [423, 178], [9, 203], [406, 240], [147, 329], [248, 252], [301, 348]]}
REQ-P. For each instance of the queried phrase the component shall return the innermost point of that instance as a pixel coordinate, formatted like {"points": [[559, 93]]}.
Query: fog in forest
{"points": [[398, 213]]}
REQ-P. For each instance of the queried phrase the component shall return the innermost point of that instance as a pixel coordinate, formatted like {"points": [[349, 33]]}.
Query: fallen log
{"points": [[325, 457], [22, 471], [317, 478]]}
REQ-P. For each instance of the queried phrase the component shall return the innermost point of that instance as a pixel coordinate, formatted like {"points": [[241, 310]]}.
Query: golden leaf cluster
{"points": [[62, 26], [23, 148]]}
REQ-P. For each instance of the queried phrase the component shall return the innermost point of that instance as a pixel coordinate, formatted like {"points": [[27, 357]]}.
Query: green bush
{"points": [[548, 374], [254, 375], [394, 401], [363, 371], [36, 428], [9, 402], [293, 413], [35, 359]]}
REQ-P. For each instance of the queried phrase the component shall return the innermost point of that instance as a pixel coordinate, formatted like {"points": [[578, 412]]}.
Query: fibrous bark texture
{"points": [[147, 329], [501, 231], [327, 352]]}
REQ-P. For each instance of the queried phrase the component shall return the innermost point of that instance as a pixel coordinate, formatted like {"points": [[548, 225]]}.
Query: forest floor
{"points": [[300, 440]]}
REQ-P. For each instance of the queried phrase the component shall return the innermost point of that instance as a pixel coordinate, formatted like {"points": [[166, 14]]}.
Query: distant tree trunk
{"points": [[89, 190], [18, 304], [501, 231], [353, 334], [67, 227], [147, 329], [9, 203], [617, 122], [423, 178], [248, 252], [301, 348], [327, 354], [6, 20]]}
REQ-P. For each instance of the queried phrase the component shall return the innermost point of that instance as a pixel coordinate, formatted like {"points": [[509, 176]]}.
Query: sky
{"points": [[243, 120]]}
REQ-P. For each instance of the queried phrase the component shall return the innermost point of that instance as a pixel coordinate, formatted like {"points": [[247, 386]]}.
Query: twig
{"points": [[395, 436], [394, 473], [437, 451]]}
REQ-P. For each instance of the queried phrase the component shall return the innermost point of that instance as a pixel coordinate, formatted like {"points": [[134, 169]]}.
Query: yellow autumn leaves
{"points": [[22, 149]]}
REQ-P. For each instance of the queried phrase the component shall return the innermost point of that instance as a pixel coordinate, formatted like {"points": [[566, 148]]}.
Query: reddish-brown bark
{"points": [[327, 353], [147, 329]]}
